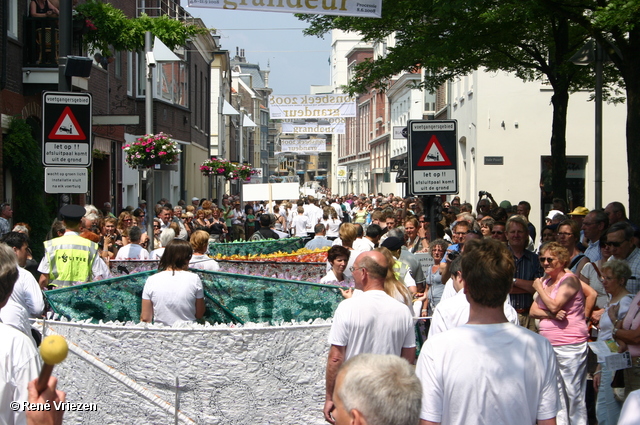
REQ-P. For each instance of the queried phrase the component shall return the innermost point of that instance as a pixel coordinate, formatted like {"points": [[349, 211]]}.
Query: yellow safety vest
{"points": [[71, 259], [400, 269]]}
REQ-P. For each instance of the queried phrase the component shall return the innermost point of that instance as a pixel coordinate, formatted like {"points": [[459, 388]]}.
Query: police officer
{"points": [[70, 258]]}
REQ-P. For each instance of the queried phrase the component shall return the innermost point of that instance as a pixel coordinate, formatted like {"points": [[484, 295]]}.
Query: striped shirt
{"points": [[527, 268]]}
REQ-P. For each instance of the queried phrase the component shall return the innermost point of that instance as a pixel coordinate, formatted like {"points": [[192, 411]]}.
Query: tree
{"points": [[453, 38], [615, 25], [23, 158], [111, 28]]}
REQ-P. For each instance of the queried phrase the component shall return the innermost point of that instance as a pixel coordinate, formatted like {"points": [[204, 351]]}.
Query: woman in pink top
{"points": [[627, 334], [560, 308]]}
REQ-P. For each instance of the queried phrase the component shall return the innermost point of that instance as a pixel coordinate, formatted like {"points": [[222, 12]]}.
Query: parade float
{"points": [[258, 355]]}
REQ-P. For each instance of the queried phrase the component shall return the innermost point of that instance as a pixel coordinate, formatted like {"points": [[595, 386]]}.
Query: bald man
{"points": [[368, 322]]}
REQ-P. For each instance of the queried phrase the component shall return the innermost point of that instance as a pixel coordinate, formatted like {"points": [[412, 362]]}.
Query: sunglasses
{"points": [[544, 260], [614, 244]]}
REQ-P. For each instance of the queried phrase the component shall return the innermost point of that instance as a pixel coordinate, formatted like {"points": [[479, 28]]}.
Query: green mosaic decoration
{"points": [[263, 299], [229, 298], [268, 246]]}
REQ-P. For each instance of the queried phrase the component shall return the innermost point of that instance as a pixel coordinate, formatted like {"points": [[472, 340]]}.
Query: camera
{"points": [[452, 255], [482, 193]]}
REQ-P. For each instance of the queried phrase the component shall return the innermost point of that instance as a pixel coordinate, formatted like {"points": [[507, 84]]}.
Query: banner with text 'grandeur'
{"points": [[303, 146], [321, 126], [312, 106], [359, 8]]}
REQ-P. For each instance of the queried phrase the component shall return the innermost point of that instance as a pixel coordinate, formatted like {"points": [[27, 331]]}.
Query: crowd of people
{"points": [[490, 287]]}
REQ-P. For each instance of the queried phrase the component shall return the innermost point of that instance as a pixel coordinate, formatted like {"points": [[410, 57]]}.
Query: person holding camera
{"points": [[485, 204]]}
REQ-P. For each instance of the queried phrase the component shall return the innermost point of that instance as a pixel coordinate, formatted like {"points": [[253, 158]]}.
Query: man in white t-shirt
{"points": [[133, 250], [372, 322], [26, 299], [488, 371], [299, 224], [19, 359]]}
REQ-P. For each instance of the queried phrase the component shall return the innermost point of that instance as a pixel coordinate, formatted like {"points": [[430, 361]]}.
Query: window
{"points": [[117, 63], [142, 73], [172, 82], [12, 21], [129, 73]]}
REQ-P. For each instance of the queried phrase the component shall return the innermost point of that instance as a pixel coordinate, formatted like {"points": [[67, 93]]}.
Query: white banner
{"points": [[342, 172], [365, 8], [331, 126], [312, 106], [303, 145]]}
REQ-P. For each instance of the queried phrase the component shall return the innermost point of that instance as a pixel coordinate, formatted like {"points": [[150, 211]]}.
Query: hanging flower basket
{"points": [[152, 149], [228, 170]]}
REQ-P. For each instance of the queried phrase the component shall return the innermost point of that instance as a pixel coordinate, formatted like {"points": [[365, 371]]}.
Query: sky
{"points": [[296, 61]]}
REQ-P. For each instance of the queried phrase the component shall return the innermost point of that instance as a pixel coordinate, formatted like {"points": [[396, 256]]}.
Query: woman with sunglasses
{"points": [[568, 236], [125, 221], [560, 307]]}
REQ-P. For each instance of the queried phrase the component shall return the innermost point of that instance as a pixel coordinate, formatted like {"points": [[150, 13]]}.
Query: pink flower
{"points": [[162, 153], [220, 170]]}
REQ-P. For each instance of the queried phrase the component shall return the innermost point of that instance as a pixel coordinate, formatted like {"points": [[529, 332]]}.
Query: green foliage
{"points": [[23, 158], [621, 14], [115, 30], [452, 38]]}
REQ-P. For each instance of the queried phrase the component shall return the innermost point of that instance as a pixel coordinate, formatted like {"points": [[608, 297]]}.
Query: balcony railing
{"points": [[171, 8], [42, 42]]}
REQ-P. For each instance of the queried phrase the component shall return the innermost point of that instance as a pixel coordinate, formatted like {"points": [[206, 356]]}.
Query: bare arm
{"points": [[590, 298], [199, 308], [551, 421], [521, 286], [334, 361], [409, 354], [569, 287], [423, 422], [146, 312], [538, 313], [628, 336], [44, 280], [445, 271]]}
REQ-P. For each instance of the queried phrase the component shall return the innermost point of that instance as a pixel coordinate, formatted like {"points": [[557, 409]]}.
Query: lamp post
{"points": [[592, 53], [244, 122], [159, 53], [148, 128], [227, 110]]}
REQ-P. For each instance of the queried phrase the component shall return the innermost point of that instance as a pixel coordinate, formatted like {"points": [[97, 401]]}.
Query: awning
{"points": [[246, 122], [227, 109]]}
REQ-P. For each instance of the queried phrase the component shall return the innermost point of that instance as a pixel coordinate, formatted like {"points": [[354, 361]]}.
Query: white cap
{"points": [[553, 213]]}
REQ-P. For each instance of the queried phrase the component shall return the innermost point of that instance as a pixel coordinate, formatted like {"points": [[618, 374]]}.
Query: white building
{"points": [[504, 133]]}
